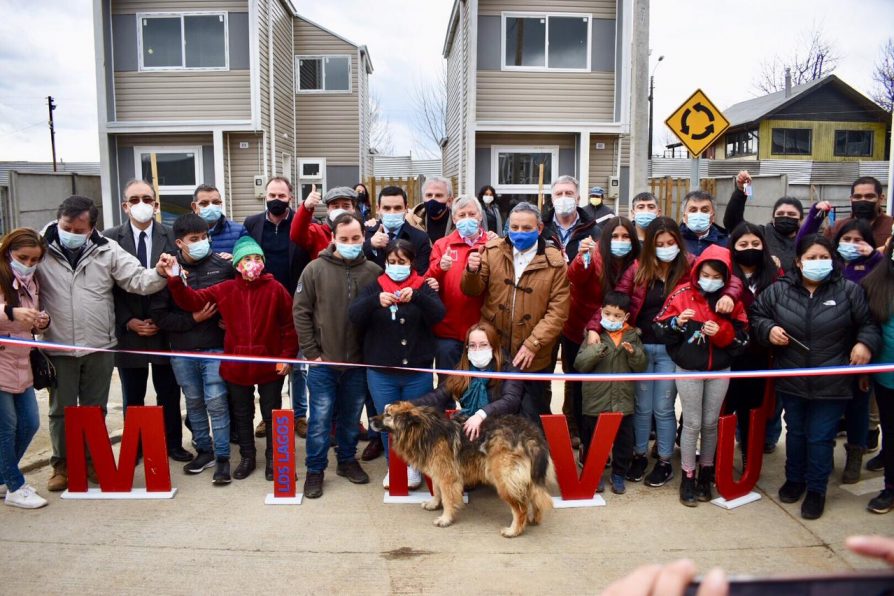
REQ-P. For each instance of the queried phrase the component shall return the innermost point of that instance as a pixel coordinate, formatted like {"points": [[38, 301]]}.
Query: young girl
{"points": [[698, 338], [396, 315]]}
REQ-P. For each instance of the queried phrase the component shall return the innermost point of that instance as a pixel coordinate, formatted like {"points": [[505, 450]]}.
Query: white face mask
{"points": [[488, 199], [142, 212], [566, 205], [333, 215], [481, 357]]}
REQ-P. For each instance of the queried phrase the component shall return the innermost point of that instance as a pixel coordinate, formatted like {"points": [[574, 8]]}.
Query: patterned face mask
{"points": [[251, 270]]}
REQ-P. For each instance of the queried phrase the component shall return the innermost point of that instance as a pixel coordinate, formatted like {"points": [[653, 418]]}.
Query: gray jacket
{"points": [[79, 299]]}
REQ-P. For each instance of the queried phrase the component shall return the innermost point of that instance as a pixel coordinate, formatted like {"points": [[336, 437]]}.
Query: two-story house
{"points": [[225, 92], [533, 83]]}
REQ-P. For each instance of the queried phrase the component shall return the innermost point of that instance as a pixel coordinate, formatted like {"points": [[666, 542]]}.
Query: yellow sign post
{"points": [[697, 123]]}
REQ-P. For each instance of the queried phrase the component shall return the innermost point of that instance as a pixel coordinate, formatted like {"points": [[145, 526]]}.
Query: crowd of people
{"points": [[376, 294]]}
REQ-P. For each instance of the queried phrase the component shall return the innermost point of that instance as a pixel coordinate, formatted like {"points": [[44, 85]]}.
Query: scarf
{"points": [[475, 397], [415, 281]]}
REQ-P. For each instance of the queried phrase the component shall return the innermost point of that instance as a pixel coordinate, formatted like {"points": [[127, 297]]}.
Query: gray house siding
{"points": [[283, 84]]}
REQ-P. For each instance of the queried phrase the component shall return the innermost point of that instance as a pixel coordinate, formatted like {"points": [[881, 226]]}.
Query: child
{"points": [[255, 309], [698, 338], [619, 350]]}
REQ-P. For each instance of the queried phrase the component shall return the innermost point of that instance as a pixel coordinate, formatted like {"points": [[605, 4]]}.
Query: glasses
{"points": [[148, 199], [476, 347], [869, 197]]}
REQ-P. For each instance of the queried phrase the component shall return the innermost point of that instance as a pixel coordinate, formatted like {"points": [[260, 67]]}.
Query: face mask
{"points": [[644, 218], [23, 271], [848, 251], [72, 241], [698, 222], [397, 272], [199, 250], [523, 240], [786, 225], [710, 285], [750, 257], [816, 270], [277, 207], [481, 358], [611, 326], [864, 210], [565, 205], [333, 215], [251, 270], [142, 212], [488, 199], [211, 213], [393, 221], [435, 208], [349, 252], [621, 248], [666, 254], [467, 227], [362, 197], [595, 201]]}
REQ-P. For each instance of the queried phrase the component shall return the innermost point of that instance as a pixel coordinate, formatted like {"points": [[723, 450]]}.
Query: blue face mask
{"points": [[644, 218], [698, 222], [666, 254], [397, 272], [72, 241], [621, 248], [709, 286], [348, 251], [468, 227], [211, 213], [22, 271], [849, 251], [611, 325], [393, 221], [524, 240], [199, 250], [816, 270]]}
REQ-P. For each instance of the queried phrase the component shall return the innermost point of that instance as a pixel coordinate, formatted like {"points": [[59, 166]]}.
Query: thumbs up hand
{"points": [[379, 240], [313, 199], [474, 262]]}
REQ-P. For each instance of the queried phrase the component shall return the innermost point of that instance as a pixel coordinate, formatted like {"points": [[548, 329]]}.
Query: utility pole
{"points": [[52, 107], [652, 103]]}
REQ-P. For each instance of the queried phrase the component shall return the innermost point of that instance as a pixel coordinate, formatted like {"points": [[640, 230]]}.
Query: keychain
{"points": [[393, 308], [587, 260]]}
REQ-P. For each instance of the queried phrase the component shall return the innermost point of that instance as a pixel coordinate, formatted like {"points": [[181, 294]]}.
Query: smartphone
{"points": [[872, 583]]}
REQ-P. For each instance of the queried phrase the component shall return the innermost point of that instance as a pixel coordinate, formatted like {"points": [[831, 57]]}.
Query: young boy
{"points": [[619, 350], [200, 380]]}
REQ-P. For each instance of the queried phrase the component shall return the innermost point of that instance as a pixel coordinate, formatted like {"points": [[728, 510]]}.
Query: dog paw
{"points": [[431, 505], [443, 522], [509, 533]]}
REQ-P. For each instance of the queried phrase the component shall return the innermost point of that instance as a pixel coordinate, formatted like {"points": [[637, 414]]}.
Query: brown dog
{"points": [[510, 454]]}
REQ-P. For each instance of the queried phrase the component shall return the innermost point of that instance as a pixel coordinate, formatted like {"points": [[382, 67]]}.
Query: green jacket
{"points": [[604, 357]]}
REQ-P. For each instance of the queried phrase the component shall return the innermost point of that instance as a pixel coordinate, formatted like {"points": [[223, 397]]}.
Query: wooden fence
{"points": [[670, 192]]}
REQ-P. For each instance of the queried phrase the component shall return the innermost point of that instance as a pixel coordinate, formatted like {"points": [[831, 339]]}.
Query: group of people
{"points": [[374, 295]]}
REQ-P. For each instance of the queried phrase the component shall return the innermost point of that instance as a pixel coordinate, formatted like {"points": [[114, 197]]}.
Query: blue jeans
{"points": [[389, 387], [19, 420], [299, 389], [656, 398], [343, 391], [206, 397], [810, 438], [856, 417], [774, 425]]}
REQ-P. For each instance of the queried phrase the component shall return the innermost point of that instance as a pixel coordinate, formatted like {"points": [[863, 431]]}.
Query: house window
{"points": [[741, 143], [791, 141], [323, 74], [546, 42], [853, 143], [311, 171], [183, 41], [517, 169], [179, 172]]}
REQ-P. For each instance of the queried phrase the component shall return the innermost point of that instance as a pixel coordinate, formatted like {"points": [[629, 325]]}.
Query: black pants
{"points": [[743, 396], [167, 391], [622, 448], [535, 400], [242, 400], [573, 390], [885, 399]]}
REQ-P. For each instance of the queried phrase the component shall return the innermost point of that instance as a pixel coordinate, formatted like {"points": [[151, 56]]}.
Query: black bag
{"points": [[43, 370]]}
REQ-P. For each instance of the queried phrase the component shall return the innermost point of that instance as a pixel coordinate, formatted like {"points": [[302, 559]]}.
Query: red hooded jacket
{"points": [[462, 311]]}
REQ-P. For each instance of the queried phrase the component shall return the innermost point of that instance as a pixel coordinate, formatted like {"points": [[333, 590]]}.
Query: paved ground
{"points": [[225, 540]]}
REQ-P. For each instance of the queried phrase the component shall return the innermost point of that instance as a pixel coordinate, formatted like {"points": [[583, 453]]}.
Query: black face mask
{"points": [[786, 225], [750, 257], [435, 208], [362, 197], [864, 210], [277, 207]]}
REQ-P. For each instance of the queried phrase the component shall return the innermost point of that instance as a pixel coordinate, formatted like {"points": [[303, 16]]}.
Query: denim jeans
{"points": [[206, 397], [299, 389], [19, 420], [656, 398], [333, 389], [810, 438], [856, 417], [389, 387], [700, 401]]}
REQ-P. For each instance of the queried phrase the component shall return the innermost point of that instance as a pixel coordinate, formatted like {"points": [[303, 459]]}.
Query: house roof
{"points": [[46, 167], [451, 28], [364, 51]]}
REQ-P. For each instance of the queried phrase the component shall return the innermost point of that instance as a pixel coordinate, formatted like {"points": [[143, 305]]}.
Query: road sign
{"points": [[697, 123]]}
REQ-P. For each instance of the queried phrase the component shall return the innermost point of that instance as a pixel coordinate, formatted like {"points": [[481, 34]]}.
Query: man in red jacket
{"points": [[314, 237]]}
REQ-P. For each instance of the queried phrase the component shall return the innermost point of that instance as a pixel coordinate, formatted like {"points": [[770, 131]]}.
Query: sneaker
{"points": [[662, 473], [883, 502], [301, 427], [687, 489], [352, 471], [246, 466], [25, 498], [202, 461], [261, 430], [386, 481], [637, 469], [791, 492], [59, 480], [813, 505], [414, 478], [877, 463], [313, 485], [618, 484], [872, 442], [222, 472]]}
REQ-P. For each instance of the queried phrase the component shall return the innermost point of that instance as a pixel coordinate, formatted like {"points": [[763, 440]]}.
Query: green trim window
{"points": [[792, 141], [853, 143], [741, 143]]}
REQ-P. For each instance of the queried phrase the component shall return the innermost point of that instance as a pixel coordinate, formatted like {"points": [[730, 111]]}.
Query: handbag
{"points": [[42, 369]]}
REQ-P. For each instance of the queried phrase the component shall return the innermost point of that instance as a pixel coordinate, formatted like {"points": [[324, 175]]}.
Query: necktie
{"points": [[141, 251]]}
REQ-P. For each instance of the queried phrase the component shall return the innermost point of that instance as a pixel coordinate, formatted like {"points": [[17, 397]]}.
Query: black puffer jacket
{"points": [[829, 323]]}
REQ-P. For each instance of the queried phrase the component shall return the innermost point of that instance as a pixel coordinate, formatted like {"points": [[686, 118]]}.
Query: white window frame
{"points": [[182, 67], [299, 57], [546, 16], [495, 151], [320, 180], [180, 189]]}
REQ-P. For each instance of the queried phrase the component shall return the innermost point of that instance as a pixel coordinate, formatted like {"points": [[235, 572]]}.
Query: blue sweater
{"points": [[224, 234]]}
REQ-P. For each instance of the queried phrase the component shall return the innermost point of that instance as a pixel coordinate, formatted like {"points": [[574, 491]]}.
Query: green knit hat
{"points": [[246, 246]]}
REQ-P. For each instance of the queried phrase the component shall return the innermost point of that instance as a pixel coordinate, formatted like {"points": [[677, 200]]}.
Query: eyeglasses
{"points": [[870, 197], [148, 199], [476, 347]]}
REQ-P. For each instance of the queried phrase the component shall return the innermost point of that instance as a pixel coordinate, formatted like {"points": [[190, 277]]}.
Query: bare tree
{"points": [[379, 128], [815, 58], [883, 75], [429, 101]]}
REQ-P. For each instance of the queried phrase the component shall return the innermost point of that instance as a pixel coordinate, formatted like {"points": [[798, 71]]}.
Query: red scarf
{"points": [[415, 281]]}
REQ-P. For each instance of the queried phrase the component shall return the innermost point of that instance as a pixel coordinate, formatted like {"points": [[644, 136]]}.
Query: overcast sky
{"points": [[46, 48]]}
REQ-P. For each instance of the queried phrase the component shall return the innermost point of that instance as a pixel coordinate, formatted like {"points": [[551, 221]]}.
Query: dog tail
{"points": [[540, 462]]}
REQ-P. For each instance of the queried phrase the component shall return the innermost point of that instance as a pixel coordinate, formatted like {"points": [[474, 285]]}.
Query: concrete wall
{"points": [[34, 198], [759, 209]]}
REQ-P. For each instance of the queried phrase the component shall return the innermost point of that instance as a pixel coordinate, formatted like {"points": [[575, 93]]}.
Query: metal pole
{"points": [[52, 107], [651, 110], [693, 172], [891, 168]]}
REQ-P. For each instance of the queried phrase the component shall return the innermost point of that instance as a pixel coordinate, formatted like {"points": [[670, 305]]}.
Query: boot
{"points": [[705, 479], [687, 489], [221, 472], [852, 464], [59, 480], [245, 467], [268, 469]]}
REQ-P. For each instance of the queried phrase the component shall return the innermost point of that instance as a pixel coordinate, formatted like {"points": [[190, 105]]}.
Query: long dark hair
{"points": [[879, 286], [457, 385], [613, 267], [648, 270], [861, 226], [15, 240], [766, 272]]}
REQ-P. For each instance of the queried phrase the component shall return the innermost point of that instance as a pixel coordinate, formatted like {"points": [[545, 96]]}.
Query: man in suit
{"points": [[391, 225], [146, 239]]}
